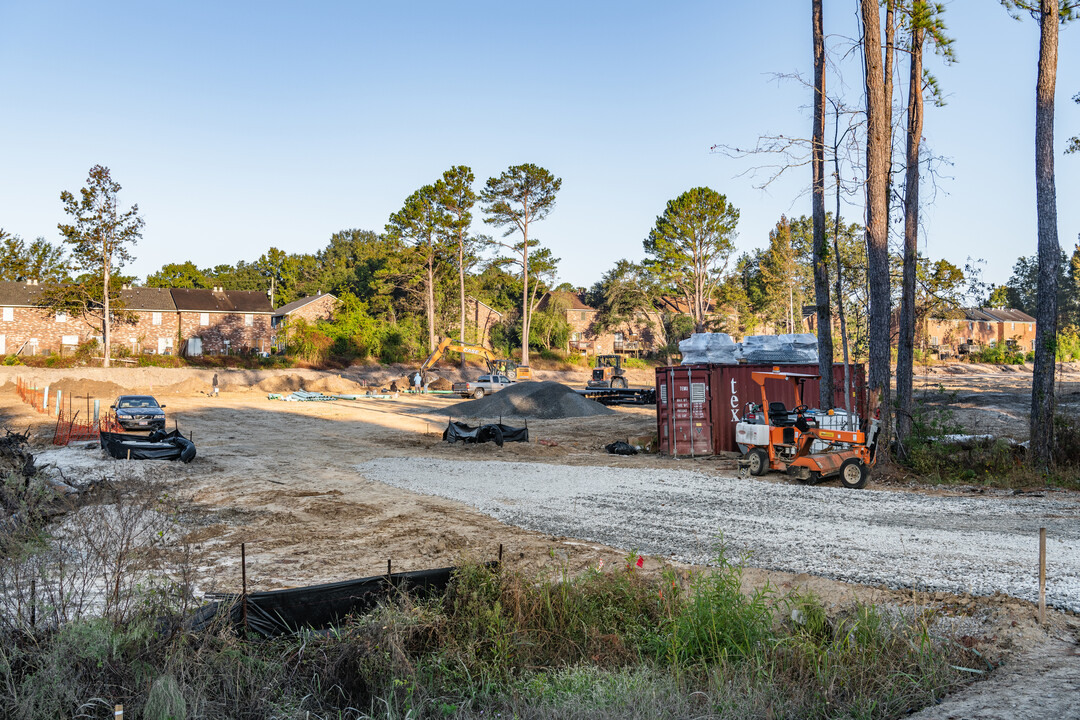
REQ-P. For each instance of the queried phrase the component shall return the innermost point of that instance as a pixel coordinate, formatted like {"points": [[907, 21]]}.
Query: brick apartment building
{"points": [[218, 321], [641, 335], [154, 320], [479, 319], [152, 324], [981, 327]]}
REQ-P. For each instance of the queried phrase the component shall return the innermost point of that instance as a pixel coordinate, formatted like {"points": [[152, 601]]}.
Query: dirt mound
{"points": [[287, 383], [538, 400], [101, 389], [441, 384]]}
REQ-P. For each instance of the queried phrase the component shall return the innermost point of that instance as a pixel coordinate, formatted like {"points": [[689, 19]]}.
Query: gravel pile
{"points": [[534, 400], [902, 540]]}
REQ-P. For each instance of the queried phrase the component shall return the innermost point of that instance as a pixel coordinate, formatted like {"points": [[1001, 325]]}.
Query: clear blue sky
{"points": [[239, 126]]}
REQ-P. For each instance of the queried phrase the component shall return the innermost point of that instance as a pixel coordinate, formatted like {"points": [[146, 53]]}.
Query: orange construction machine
{"points": [[775, 438]]}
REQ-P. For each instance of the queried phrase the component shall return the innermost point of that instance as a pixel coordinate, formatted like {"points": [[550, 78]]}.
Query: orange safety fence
{"points": [[69, 427], [34, 397]]}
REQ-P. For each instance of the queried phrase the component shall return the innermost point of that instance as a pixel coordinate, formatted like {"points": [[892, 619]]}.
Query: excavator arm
{"points": [[494, 363]]}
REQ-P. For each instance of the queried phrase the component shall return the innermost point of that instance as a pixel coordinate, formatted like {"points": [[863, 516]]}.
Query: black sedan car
{"points": [[139, 412]]}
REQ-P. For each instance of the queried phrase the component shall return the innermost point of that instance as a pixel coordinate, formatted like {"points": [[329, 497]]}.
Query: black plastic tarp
{"points": [[317, 607], [157, 445], [492, 432]]}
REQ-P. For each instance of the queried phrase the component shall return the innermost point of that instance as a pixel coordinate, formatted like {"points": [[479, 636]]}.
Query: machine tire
{"points": [[759, 461], [478, 393], [618, 382], [854, 474]]}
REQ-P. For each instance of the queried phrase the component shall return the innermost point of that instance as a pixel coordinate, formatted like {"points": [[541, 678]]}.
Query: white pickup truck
{"points": [[484, 385]]}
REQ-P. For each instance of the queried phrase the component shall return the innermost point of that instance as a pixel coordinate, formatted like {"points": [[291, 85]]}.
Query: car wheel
{"points": [[478, 393], [759, 461], [854, 474]]}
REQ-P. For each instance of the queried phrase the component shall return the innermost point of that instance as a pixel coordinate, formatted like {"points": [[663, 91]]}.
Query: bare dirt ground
{"points": [[993, 399], [282, 478]]}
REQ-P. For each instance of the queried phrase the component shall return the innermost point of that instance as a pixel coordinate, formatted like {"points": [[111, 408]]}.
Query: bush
{"points": [[307, 342], [612, 644], [165, 361], [401, 341], [1068, 345], [999, 354]]}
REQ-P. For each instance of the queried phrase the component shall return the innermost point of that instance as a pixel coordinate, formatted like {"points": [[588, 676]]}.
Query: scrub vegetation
{"points": [[608, 642]]}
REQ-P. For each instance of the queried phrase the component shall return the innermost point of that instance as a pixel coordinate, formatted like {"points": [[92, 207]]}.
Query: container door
{"points": [[691, 416]]}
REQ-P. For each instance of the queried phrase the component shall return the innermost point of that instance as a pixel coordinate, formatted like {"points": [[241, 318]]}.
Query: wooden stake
{"points": [[243, 580], [118, 712], [1042, 575]]}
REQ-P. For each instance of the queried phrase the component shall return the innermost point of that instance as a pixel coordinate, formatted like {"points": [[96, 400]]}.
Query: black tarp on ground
{"points": [[317, 607], [155, 446], [492, 432]]}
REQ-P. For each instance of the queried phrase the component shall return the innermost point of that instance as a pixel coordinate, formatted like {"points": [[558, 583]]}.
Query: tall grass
{"points": [[618, 644]]}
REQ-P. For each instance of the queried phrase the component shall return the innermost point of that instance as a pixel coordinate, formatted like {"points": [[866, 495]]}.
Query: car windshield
{"points": [[137, 402]]}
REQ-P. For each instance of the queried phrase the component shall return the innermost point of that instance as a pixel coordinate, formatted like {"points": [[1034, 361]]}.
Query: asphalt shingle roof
{"points": [[297, 304], [225, 301], [146, 298], [572, 299], [18, 294]]}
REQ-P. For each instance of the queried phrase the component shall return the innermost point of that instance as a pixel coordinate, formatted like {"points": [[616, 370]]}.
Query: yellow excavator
{"points": [[495, 364]]}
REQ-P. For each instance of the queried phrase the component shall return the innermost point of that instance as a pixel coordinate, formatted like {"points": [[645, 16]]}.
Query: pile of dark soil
{"points": [[538, 400], [440, 384]]}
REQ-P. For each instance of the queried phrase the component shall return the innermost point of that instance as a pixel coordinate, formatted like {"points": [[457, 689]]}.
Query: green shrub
{"points": [[401, 341], [307, 342], [1068, 345], [165, 361], [999, 354]]}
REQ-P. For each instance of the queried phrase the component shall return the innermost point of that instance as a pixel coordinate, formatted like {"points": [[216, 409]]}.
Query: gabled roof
{"points": [[146, 298], [221, 301], [297, 304], [572, 300], [493, 311], [19, 294], [1007, 315], [994, 315]]}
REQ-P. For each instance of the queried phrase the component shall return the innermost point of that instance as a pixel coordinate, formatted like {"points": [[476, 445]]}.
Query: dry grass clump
{"points": [[605, 643]]}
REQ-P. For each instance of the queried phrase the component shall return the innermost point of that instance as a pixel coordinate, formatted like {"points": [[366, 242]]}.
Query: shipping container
{"points": [[698, 406]]}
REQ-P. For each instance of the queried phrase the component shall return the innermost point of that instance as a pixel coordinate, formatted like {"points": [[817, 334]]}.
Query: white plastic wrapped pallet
{"points": [[719, 348], [709, 348]]}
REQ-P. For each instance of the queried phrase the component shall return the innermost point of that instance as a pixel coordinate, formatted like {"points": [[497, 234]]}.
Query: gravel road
{"points": [[902, 540]]}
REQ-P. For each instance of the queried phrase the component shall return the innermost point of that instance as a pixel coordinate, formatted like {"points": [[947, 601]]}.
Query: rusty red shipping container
{"points": [[698, 406]]}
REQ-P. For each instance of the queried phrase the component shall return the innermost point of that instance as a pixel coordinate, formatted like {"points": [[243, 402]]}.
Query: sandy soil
{"points": [[993, 399], [281, 477]]}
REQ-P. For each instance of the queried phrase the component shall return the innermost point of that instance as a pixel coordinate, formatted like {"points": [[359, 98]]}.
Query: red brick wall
{"points": [[482, 319], [34, 323], [143, 334], [322, 308], [950, 333], [1023, 332], [227, 326]]}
